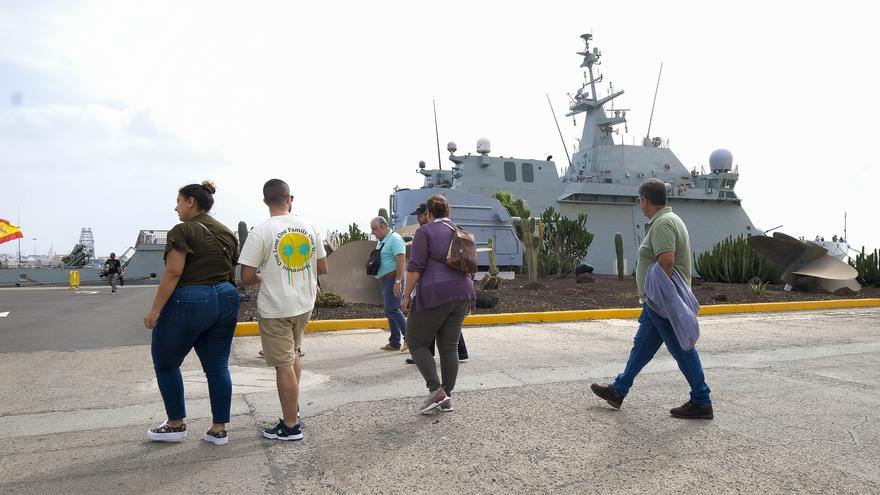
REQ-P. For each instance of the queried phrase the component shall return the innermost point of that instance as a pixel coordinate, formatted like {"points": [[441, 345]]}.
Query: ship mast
{"points": [[598, 126]]}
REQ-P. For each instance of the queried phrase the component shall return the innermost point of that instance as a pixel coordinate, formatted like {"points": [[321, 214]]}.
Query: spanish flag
{"points": [[8, 231]]}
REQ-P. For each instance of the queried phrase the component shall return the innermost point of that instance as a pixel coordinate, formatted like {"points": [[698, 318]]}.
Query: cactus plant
{"points": [[733, 261], [868, 267], [618, 248], [384, 214], [491, 281], [242, 233]]}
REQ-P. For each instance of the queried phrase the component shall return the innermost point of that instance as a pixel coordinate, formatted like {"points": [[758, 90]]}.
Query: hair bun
{"points": [[209, 186]]}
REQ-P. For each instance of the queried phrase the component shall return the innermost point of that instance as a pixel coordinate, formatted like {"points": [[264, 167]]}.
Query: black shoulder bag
{"points": [[375, 259]]}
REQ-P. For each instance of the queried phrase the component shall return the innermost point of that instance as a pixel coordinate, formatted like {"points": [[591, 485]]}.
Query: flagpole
{"points": [[19, 239]]}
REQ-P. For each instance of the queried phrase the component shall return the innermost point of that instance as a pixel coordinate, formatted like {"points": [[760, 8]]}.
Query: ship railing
{"points": [[150, 237]]}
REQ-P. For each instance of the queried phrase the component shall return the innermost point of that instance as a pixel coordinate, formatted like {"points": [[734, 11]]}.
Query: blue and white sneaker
{"points": [[282, 432]]}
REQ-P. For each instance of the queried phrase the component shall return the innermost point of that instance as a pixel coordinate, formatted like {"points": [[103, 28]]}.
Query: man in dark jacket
{"points": [[113, 269]]}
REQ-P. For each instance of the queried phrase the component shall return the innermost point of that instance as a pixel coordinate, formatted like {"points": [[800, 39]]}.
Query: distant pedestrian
{"points": [[421, 214], [392, 252], [289, 254], [443, 297], [666, 243], [113, 268], [196, 307]]}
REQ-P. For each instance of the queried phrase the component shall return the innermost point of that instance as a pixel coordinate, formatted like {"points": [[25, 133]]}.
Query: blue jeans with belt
{"points": [[654, 330], [200, 317], [396, 320]]}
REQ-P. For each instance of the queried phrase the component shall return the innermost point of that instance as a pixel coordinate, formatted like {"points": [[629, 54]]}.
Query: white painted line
{"points": [[4, 314], [86, 292]]}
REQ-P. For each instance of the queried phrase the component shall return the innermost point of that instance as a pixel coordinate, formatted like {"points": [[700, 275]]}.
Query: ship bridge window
{"points": [[528, 174], [510, 171]]}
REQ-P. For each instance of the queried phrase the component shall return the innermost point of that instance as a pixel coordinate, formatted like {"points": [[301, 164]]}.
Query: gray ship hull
{"points": [[143, 267]]}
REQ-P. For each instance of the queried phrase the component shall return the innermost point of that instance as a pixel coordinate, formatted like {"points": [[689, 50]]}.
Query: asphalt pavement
{"points": [[796, 403]]}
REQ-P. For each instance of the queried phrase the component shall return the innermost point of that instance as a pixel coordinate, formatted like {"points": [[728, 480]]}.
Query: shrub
{"points": [[734, 261], [566, 240], [757, 286], [329, 300]]}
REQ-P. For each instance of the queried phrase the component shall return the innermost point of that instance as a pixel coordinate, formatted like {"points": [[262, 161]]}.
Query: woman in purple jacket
{"points": [[443, 297]]}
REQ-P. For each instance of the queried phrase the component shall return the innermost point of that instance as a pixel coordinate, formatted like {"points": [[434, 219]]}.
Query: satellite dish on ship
{"points": [[721, 161], [483, 146]]}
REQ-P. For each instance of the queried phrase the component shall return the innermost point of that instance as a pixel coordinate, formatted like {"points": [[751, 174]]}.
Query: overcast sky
{"points": [[107, 108]]}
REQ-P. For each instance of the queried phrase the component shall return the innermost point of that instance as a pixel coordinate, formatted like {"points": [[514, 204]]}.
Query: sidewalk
{"points": [[796, 397]]}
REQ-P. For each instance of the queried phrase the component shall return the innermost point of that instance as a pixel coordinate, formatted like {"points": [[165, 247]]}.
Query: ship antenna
{"points": [[437, 134], [651, 120], [564, 147]]}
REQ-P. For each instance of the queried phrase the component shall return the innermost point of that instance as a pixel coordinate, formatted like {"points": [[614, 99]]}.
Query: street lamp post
{"points": [[35, 249]]}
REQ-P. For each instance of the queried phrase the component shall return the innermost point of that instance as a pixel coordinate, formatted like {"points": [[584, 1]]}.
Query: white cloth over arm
{"points": [[672, 299]]}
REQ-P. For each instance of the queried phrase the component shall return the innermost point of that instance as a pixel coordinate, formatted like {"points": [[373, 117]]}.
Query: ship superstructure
{"points": [[602, 181]]}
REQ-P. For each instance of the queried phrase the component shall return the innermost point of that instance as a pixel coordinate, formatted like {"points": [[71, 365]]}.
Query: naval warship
{"points": [[602, 180], [142, 264]]}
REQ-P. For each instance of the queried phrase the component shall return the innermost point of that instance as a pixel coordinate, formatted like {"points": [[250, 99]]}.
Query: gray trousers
{"points": [[113, 278], [442, 323]]}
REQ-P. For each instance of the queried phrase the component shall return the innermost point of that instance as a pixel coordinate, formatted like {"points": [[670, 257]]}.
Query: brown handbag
{"points": [[462, 253]]}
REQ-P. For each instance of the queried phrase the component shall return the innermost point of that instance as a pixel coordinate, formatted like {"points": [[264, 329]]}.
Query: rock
{"points": [[486, 299], [844, 291], [583, 278], [585, 268], [719, 298]]}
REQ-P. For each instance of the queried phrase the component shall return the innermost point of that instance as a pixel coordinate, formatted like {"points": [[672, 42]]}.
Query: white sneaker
{"points": [[216, 437], [166, 433]]}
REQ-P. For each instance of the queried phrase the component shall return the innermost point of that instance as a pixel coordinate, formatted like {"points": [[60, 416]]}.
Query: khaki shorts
{"points": [[282, 338]]}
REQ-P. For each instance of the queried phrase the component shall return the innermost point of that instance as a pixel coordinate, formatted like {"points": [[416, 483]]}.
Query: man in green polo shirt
{"points": [[667, 243]]}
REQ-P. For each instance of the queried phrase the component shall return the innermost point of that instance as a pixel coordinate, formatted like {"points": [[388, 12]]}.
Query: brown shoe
{"points": [[689, 410], [607, 393], [389, 347], [404, 347]]}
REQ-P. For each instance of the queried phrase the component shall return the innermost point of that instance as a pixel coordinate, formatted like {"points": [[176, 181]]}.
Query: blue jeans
{"points": [[396, 320], [653, 331], [201, 317]]}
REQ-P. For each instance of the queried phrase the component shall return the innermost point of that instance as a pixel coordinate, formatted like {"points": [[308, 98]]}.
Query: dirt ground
{"points": [[593, 292]]}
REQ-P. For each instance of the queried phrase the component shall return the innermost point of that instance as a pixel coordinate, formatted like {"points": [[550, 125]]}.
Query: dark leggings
{"points": [[462, 347], [442, 323]]}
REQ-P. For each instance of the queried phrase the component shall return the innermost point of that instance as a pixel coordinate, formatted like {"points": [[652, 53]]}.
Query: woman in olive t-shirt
{"points": [[196, 307]]}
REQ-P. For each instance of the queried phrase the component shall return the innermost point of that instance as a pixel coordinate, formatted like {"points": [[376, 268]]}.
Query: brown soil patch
{"points": [[562, 294]]}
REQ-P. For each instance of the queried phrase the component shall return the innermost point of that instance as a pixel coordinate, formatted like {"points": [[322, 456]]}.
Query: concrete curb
{"points": [[250, 328]]}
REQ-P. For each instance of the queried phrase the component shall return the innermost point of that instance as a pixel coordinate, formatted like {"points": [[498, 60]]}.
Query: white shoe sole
{"points": [[215, 440], [435, 405], [177, 436], [293, 438]]}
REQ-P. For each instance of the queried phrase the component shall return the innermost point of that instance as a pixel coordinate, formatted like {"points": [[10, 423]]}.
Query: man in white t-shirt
{"points": [[289, 254]]}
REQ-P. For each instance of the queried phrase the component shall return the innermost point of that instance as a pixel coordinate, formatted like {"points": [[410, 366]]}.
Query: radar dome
{"points": [[451, 147], [483, 146], [721, 161]]}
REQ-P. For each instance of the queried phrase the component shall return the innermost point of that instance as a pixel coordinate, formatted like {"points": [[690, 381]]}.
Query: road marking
{"points": [[4, 314], [86, 292]]}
